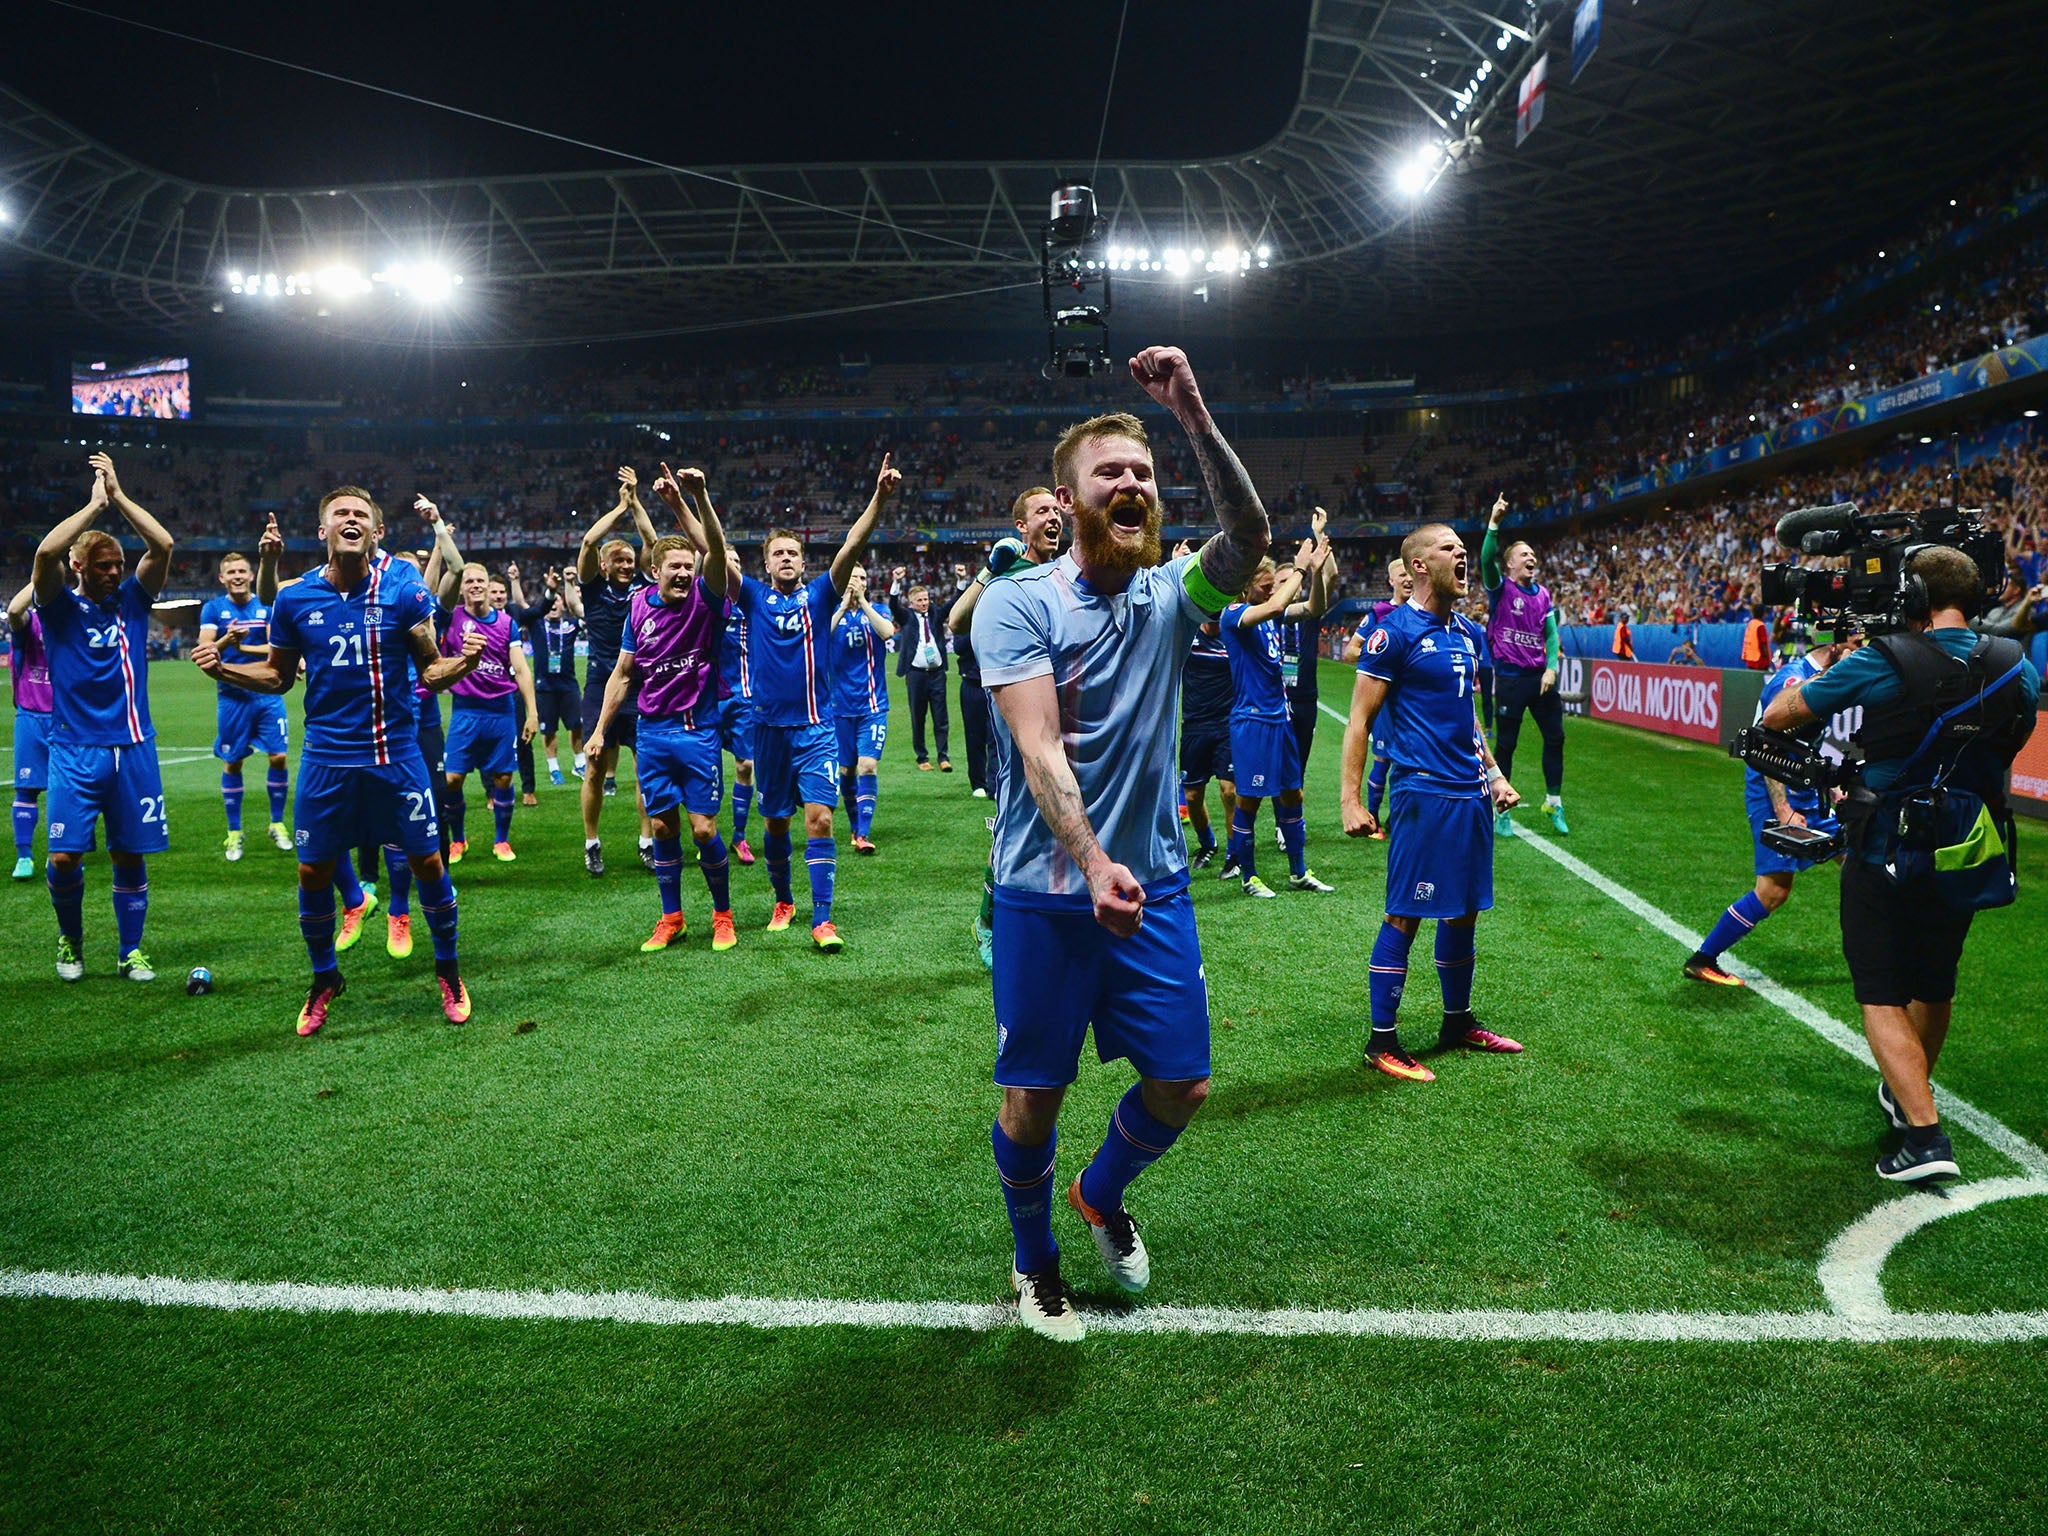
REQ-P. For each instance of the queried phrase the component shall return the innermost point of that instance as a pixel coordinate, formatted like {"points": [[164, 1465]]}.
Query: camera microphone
{"points": [[1794, 527]]}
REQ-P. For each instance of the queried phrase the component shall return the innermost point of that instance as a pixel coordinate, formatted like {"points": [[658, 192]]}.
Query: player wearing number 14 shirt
{"points": [[1414, 696], [360, 630]]}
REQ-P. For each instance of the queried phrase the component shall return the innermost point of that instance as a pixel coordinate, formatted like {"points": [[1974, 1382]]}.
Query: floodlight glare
{"points": [[1265, 253], [1413, 178], [341, 281]]}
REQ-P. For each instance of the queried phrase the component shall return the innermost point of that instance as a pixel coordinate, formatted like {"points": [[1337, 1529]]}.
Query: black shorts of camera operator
{"points": [[1903, 938]]}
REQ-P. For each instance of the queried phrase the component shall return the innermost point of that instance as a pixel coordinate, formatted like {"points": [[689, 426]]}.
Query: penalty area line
{"points": [[637, 1307]]}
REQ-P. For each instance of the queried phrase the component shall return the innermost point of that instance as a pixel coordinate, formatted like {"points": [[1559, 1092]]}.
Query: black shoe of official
{"points": [[593, 859], [1202, 858], [1919, 1165]]}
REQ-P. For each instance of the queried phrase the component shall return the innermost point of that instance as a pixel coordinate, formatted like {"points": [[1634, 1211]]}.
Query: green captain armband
{"points": [[1201, 590]]}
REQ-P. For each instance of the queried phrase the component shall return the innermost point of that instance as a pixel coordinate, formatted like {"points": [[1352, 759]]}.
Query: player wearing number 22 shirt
{"points": [[1414, 695], [359, 630]]}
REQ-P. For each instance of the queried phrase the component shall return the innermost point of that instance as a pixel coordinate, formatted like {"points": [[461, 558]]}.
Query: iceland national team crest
{"points": [[373, 615], [1376, 642], [1425, 890]]}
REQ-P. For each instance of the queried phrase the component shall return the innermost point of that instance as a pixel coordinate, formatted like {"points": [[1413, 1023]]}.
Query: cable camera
{"points": [[1873, 588], [1074, 274]]}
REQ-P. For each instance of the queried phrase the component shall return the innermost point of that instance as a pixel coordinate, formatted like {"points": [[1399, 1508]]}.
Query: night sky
{"points": [[745, 83]]}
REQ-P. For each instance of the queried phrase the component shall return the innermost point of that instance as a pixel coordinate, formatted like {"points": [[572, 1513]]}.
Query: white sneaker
{"points": [[233, 844], [135, 966], [1307, 881], [1044, 1306], [280, 838], [1116, 1239], [981, 794]]}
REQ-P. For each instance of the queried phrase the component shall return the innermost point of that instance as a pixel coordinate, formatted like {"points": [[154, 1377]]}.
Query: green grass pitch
{"points": [[775, 1123]]}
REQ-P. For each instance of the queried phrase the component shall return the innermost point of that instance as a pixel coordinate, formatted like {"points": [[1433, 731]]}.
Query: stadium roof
{"points": [[1707, 141]]}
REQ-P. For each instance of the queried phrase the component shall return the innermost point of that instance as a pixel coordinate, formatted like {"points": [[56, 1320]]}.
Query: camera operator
{"points": [[1903, 926]]}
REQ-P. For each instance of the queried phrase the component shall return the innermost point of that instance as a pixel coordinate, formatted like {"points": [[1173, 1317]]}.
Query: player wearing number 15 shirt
{"points": [[1414, 695], [359, 630]]}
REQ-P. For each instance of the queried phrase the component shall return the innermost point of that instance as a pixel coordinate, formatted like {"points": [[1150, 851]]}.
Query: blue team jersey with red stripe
{"points": [[99, 666], [735, 672], [860, 677], [360, 707], [788, 634]]}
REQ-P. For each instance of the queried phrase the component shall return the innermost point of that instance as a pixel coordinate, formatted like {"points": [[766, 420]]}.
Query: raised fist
{"points": [[473, 645], [1165, 374]]}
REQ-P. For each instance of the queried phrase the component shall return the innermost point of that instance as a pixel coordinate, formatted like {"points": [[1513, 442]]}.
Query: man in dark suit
{"points": [[922, 644]]}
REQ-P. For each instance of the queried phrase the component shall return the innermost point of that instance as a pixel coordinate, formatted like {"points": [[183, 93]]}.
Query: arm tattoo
{"points": [[1058, 795], [1230, 558]]}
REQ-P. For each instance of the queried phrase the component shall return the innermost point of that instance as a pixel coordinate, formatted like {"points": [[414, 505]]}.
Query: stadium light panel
{"points": [[2030, 415], [1413, 178]]}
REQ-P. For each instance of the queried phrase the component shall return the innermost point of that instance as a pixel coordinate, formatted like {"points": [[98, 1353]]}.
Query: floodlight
{"points": [[1414, 177], [1265, 253], [341, 280], [2030, 415]]}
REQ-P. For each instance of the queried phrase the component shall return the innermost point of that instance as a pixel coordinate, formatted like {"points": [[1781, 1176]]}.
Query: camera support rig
{"points": [[1074, 275]]}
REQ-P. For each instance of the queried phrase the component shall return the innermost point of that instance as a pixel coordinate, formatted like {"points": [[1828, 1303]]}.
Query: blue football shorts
{"points": [[795, 765], [255, 722], [31, 749], [1058, 971], [736, 728], [342, 808], [861, 736], [1266, 757], [1439, 854], [677, 766], [121, 784], [481, 741]]}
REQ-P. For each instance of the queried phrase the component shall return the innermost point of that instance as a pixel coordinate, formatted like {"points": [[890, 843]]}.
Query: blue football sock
{"points": [[397, 882], [742, 802], [346, 885], [1389, 974], [131, 903], [846, 798], [1376, 786], [777, 852], [231, 797], [717, 870], [1027, 1193], [1455, 951], [501, 815], [24, 825], [668, 873], [1135, 1141], [279, 782], [1242, 826], [864, 804], [437, 901], [1294, 833], [1744, 915], [822, 855], [316, 922], [67, 895], [456, 813]]}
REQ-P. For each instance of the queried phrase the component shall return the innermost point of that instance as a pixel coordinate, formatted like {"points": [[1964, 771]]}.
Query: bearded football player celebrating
{"points": [[1094, 925], [1415, 685], [360, 631], [243, 720], [669, 646], [796, 747]]}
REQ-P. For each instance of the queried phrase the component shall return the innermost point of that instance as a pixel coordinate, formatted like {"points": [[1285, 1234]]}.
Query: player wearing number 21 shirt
{"points": [[359, 629]]}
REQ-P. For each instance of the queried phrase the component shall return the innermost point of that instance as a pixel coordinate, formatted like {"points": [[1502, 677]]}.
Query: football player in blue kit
{"points": [[736, 715], [362, 628], [244, 721], [1767, 801], [789, 636], [102, 746], [1094, 923], [1414, 694], [860, 700], [1265, 752]]}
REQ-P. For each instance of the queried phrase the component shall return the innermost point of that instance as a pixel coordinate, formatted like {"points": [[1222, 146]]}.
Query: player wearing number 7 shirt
{"points": [[1415, 679], [102, 754], [362, 779]]}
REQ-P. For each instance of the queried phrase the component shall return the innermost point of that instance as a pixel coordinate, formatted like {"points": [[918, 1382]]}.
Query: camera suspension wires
{"points": [[1109, 93]]}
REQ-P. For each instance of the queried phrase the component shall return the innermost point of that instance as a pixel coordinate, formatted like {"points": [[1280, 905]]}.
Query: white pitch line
{"points": [[1986, 1128], [1852, 1269], [637, 1307]]}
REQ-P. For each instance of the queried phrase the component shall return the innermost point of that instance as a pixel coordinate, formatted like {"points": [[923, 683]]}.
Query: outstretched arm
{"points": [[19, 605], [629, 482], [1230, 557], [155, 564], [856, 542], [1490, 574], [1032, 710], [1285, 587], [587, 568], [679, 488], [268, 547], [445, 583], [53, 555]]}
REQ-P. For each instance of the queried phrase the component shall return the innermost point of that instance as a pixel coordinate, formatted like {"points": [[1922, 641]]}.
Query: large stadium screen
{"points": [[159, 387]]}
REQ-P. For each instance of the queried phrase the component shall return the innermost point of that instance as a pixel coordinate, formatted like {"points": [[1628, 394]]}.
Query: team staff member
{"points": [[1770, 802], [1521, 631], [29, 664], [552, 624], [1418, 667], [1902, 939], [610, 573], [102, 744], [921, 663]]}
